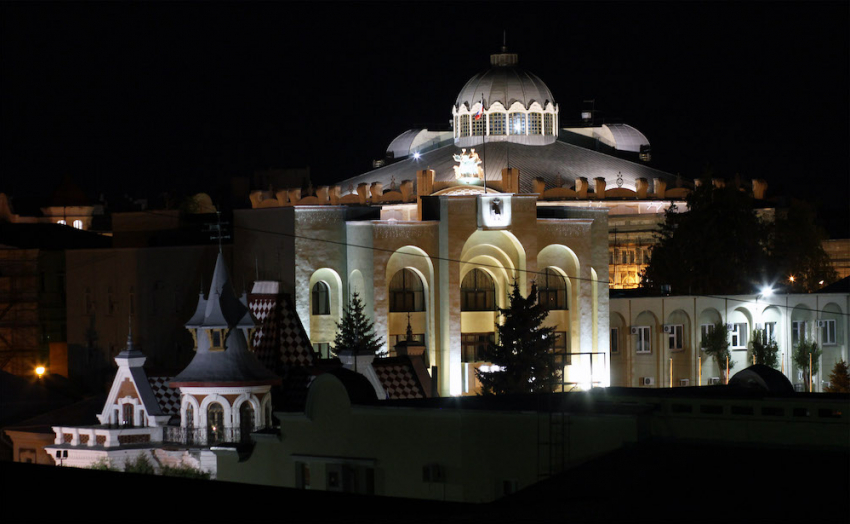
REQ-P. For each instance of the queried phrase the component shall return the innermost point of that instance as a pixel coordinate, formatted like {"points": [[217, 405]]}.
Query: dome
{"points": [[505, 83], [504, 104]]}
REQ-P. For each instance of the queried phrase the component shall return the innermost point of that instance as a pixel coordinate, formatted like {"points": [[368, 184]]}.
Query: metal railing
{"points": [[206, 437]]}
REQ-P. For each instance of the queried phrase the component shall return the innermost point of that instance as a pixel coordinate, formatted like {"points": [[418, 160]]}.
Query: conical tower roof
{"points": [[233, 363]]}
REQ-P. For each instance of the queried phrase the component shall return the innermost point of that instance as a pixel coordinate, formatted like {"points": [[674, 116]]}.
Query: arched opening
{"points": [[215, 423], [190, 424], [246, 420], [407, 294], [128, 415]]}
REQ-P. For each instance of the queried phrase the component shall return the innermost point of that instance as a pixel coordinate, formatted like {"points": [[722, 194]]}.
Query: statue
{"points": [[468, 165]]}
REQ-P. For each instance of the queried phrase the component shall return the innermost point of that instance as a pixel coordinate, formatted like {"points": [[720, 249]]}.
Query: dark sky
{"points": [[145, 97]]}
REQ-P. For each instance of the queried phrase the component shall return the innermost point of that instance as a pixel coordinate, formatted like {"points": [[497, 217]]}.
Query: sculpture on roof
{"points": [[469, 165]]}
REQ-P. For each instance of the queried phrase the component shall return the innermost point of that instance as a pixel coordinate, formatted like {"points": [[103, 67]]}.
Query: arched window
{"points": [[215, 423], [552, 290], [321, 299], [78, 224], [407, 293], [190, 424], [127, 415], [246, 420], [477, 292], [497, 124]]}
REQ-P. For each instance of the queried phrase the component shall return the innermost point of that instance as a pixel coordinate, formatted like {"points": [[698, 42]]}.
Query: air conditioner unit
{"points": [[684, 382], [634, 330], [668, 328], [799, 374], [714, 381], [730, 327], [647, 381], [821, 323]]}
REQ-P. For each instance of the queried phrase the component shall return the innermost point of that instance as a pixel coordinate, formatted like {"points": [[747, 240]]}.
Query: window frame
{"points": [[614, 341], [471, 345], [676, 338], [474, 296], [825, 339], [643, 347], [546, 291], [320, 298], [737, 333], [407, 298]]}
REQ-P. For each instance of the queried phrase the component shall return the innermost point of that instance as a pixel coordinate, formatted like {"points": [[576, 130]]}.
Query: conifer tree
{"points": [[524, 353], [356, 333], [765, 350], [839, 379]]}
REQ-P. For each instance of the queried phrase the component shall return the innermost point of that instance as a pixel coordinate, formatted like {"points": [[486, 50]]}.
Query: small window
{"points": [[78, 224], [464, 125], [246, 420], [478, 120], [517, 123], [705, 330], [548, 127], [644, 340], [798, 331], [534, 124], [323, 349], [559, 348], [216, 339], [770, 330], [675, 336], [738, 336], [827, 332], [127, 415], [615, 340], [321, 299]]}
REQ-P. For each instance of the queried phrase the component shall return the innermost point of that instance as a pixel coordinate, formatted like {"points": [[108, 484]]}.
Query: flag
{"points": [[480, 111]]}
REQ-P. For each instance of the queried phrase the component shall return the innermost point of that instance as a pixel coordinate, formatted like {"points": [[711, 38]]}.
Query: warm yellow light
{"points": [[40, 371], [791, 279]]}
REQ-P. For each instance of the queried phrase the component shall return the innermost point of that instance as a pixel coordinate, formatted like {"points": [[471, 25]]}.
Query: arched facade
{"points": [[326, 288]]}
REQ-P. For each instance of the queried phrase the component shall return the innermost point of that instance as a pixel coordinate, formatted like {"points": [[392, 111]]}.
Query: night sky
{"points": [[144, 98]]}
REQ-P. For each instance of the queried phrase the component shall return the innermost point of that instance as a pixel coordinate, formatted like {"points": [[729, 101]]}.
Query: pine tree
{"points": [[839, 379], [716, 345], [801, 359], [765, 350], [356, 333], [524, 354]]}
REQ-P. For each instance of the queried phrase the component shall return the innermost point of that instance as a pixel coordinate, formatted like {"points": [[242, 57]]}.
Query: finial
{"points": [[129, 332], [409, 329]]}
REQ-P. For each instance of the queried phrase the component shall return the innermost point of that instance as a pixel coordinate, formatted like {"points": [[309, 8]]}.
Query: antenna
{"points": [[216, 231]]}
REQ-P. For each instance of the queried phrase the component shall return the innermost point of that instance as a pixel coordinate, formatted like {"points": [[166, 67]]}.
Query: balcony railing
{"points": [[206, 437]]}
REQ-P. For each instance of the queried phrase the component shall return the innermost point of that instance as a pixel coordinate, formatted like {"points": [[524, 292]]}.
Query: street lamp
{"points": [[40, 371]]}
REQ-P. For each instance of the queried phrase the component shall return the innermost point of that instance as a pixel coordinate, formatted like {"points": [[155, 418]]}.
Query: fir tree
{"points": [[839, 379], [716, 345], [356, 333], [802, 359], [524, 353], [765, 350]]}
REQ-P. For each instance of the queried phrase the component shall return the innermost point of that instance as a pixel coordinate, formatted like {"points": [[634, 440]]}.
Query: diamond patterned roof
{"points": [[398, 378], [168, 398], [280, 340]]}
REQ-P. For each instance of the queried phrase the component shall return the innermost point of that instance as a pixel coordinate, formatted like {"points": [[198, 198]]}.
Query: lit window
{"points": [[675, 336], [615, 340], [127, 412], [644, 341], [406, 292], [216, 339], [798, 331], [705, 330], [738, 336], [473, 345], [61, 222], [827, 332], [770, 330], [517, 123], [553, 290], [464, 125], [478, 124], [477, 292], [534, 124], [548, 127], [321, 299], [215, 423], [78, 224], [497, 124], [323, 349]]}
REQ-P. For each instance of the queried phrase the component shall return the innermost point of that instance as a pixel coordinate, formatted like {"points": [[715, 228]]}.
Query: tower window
{"points": [[321, 299], [478, 124], [407, 293], [517, 123], [464, 125], [497, 124], [477, 292], [548, 127], [534, 124]]}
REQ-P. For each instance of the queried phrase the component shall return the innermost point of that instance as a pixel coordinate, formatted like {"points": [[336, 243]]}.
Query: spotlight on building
{"points": [[766, 291], [39, 371], [416, 155]]}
